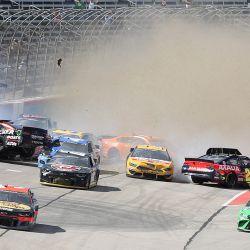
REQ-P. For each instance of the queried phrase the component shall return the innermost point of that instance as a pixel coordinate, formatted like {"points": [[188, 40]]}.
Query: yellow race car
{"points": [[68, 133], [149, 161]]}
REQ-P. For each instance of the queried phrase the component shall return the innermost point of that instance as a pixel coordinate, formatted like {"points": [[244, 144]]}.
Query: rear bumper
{"points": [[22, 223], [201, 175]]}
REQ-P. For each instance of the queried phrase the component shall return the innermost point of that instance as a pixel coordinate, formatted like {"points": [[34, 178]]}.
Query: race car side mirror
{"points": [[131, 150]]}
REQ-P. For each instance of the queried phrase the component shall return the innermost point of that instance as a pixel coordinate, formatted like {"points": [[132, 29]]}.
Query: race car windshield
{"points": [[215, 159], [14, 197], [65, 135], [41, 123], [75, 161], [151, 154], [73, 147]]}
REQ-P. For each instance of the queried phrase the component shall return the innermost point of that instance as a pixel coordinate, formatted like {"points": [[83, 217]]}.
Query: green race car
{"points": [[244, 218]]}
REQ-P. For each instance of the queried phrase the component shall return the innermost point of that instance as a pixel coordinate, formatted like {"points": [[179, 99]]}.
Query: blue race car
{"points": [[65, 145]]}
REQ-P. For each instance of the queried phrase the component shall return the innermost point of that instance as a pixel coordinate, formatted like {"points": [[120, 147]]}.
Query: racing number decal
{"points": [[247, 171]]}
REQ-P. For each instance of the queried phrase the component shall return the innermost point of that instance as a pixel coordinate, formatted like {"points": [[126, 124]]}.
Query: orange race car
{"points": [[118, 148]]}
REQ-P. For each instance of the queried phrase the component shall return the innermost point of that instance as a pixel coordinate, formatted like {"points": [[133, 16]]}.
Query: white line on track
{"points": [[236, 196], [13, 170]]}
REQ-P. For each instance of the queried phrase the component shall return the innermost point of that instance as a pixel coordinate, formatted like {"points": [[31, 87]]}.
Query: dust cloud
{"points": [[188, 83]]}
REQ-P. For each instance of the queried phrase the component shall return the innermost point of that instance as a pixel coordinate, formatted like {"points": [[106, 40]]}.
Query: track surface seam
{"points": [[203, 227], [2, 234], [57, 198]]}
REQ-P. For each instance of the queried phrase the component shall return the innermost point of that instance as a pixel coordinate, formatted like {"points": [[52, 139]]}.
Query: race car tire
{"points": [[167, 179], [98, 161], [27, 152], [87, 183], [196, 180], [97, 177], [231, 180], [2, 144], [114, 155]]}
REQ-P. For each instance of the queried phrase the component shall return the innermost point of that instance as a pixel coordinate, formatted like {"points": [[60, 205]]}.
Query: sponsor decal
{"points": [[37, 142], [7, 132], [149, 160], [13, 137], [68, 168], [229, 168], [240, 179], [9, 206], [18, 132], [37, 137], [11, 143]]}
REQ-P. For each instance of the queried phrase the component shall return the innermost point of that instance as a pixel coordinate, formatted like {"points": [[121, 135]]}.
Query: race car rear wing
{"points": [[198, 160], [223, 151]]}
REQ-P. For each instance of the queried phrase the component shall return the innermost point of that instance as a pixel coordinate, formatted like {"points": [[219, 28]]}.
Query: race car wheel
{"points": [[87, 183], [114, 155], [27, 152], [2, 144], [196, 180], [97, 176], [98, 161], [231, 180]]}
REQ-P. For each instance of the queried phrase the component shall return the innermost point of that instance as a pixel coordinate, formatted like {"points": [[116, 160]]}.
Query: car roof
{"points": [[70, 153], [10, 188], [150, 147], [220, 157], [68, 132], [73, 140]]}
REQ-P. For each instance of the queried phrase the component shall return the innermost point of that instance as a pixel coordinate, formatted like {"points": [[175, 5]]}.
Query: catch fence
{"points": [[32, 40]]}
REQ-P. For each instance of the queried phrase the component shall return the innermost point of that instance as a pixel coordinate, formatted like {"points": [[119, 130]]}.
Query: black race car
{"points": [[36, 121], [18, 207], [225, 166], [19, 139], [70, 170]]}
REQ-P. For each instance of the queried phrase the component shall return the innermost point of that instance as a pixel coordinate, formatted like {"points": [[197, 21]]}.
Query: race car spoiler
{"points": [[198, 160]]}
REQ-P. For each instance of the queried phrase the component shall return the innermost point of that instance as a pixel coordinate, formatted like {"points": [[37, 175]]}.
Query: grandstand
{"points": [[47, 4]]}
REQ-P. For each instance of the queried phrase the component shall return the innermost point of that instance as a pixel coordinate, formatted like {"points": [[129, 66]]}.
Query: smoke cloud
{"points": [[185, 82]]}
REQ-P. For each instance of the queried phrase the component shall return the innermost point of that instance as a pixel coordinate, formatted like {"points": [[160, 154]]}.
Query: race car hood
{"points": [[11, 206], [73, 152], [154, 163], [66, 168]]}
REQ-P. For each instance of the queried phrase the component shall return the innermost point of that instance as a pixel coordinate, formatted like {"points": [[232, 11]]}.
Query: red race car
{"points": [[18, 208], [118, 148], [225, 166]]}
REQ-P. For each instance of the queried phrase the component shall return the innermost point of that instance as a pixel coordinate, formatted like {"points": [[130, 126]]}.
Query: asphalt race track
{"points": [[125, 213]]}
